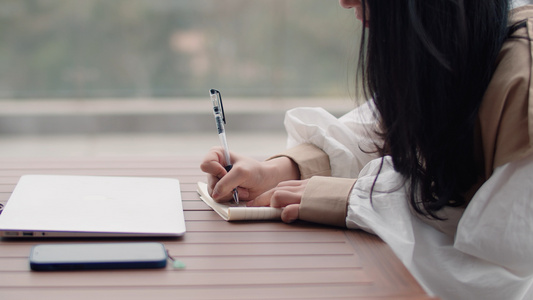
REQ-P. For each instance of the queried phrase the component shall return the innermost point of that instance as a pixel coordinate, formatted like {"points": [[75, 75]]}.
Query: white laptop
{"points": [[93, 206]]}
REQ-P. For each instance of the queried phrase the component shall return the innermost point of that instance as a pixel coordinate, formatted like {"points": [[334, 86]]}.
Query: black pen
{"points": [[220, 120]]}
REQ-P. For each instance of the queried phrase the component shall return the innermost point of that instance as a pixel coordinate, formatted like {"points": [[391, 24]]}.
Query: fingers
{"points": [[231, 180], [284, 194], [290, 213], [286, 199], [261, 200], [211, 184], [213, 166], [288, 195], [212, 163], [288, 192]]}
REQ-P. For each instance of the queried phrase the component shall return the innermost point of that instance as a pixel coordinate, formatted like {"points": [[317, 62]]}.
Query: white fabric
{"points": [[518, 3], [347, 139], [492, 255]]}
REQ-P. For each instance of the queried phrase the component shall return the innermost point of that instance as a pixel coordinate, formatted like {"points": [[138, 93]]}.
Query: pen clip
{"points": [[217, 103]]}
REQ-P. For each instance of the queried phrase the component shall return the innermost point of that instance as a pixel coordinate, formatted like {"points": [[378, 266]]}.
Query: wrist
{"points": [[281, 169]]}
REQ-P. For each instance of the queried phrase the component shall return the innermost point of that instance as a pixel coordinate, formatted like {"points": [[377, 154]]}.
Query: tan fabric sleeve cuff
{"points": [[311, 160], [325, 200]]}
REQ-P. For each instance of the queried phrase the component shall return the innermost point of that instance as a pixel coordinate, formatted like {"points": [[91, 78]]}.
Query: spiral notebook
{"points": [[93, 206]]}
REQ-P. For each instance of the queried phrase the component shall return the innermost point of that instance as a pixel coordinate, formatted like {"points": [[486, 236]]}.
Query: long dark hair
{"points": [[427, 64]]}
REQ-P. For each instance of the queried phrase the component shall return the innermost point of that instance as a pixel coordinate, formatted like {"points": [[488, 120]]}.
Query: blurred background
{"points": [[131, 77]]}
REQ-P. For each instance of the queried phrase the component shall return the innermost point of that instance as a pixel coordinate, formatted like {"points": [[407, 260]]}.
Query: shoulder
{"points": [[506, 113]]}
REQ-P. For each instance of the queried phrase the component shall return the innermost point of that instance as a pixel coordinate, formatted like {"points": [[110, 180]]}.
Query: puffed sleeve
{"points": [[497, 226], [489, 257], [348, 141]]}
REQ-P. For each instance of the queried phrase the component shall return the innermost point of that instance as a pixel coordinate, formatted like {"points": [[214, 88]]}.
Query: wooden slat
{"points": [[202, 279], [319, 237], [186, 249], [211, 237], [230, 292], [243, 262]]}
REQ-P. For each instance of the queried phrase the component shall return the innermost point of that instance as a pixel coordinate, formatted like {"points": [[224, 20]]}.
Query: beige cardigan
{"points": [[505, 132]]}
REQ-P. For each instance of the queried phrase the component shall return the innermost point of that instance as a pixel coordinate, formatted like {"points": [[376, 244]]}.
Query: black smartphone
{"points": [[90, 256]]}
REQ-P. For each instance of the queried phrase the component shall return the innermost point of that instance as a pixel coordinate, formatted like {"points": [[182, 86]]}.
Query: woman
{"points": [[439, 163]]}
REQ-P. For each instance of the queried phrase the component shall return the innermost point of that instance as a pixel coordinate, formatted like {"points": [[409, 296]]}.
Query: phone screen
{"points": [[49, 257]]}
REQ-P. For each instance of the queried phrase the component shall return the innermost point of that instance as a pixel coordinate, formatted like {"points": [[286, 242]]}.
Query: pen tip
{"points": [[212, 91]]}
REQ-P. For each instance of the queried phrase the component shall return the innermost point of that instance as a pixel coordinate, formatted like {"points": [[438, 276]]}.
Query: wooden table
{"points": [[242, 260]]}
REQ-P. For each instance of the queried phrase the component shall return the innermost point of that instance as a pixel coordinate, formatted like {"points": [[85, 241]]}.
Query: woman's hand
{"points": [[286, 195], [250, 176]]}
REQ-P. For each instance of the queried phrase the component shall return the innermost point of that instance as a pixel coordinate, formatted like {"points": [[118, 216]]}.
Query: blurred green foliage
{"points": [[174, 48]]}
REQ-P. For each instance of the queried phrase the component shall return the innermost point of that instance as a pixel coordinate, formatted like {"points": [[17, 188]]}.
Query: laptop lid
{"points": [[93, 206]]}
